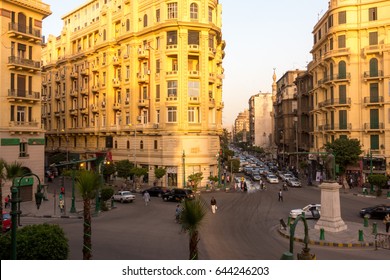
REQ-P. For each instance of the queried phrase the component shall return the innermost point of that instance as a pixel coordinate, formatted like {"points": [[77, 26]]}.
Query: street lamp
{"points": [[73, 206], [184, 169], [97, 199]]}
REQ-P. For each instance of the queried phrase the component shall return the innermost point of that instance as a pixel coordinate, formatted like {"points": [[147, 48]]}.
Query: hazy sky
{"points": [[260, 35]]}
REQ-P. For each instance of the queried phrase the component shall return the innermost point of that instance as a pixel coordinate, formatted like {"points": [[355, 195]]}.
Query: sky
{"points": [[260, 35]]}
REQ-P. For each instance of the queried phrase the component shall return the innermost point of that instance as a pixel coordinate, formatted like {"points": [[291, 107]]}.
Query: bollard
{"points": [[361, 239], [322, 234], [374, 228], [289, 221], [365, 221], [287, 256]]}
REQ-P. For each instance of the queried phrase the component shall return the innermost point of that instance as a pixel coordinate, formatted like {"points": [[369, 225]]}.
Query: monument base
{"points": [[330, 219]]}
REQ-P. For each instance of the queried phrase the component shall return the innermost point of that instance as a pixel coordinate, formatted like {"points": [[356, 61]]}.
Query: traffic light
{"points": [[62, 190]]}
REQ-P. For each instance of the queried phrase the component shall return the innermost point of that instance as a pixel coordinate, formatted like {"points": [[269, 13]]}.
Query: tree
{"points": [[378, 180], [123, 168], [196, 178], [108, 169], [346, 152], [138, 172], [37, 242], [234, 165], [159, 173], [88, 184], [191, 219]]}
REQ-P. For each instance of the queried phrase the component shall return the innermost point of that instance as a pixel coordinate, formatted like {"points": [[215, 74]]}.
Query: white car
{"points": [[312, 211], [271, 178], [124, 196]]}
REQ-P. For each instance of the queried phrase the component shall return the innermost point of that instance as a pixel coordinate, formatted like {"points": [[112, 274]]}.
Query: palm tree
{"points": [[191, 219], [88, 184]]}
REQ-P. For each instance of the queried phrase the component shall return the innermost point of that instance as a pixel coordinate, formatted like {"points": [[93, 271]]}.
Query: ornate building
{"points": [[351, 77], [21, 135], [141, 80]]}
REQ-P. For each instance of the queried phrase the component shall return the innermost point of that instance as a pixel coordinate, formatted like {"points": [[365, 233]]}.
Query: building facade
{"points": [[22, 137], [260, 120], [141, 80], [351, 78], [241, 127]]}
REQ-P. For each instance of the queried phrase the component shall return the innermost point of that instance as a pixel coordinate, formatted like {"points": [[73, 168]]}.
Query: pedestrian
{"points": [[62, 205], [280, 195], [177, 213], [386, 221], [213, 205], [146, 198], [6, 201]]}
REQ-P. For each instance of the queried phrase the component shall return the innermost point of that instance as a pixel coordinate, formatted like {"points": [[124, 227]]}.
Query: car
{"points": [[285, 176], [293, 182], [156, 191], [124, 196], [6, 221], [271, 178], [177, 195], [375, 212], [312, 211]]}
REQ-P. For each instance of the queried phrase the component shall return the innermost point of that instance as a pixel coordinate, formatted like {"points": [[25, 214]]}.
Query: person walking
{"points": [[146, 198], [213, 205], [280, 195], [386, 221], [177, 213]]}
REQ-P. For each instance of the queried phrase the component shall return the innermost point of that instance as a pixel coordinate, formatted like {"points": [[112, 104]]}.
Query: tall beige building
{"points": [[140, 80], [351, 77], [22, 137], [260, 120], [241, 125]]}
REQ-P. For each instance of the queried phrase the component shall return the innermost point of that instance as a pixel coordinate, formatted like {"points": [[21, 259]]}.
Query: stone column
{"points": [[330, 219]]}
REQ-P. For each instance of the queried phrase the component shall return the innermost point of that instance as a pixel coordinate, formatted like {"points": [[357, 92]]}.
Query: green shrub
{"points": [[106, 194], [36, 242]]}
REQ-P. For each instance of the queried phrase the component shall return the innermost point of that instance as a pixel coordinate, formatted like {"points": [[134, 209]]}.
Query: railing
{"points": [[373, 99], [374, 126], [335, 77], [23, 124], [24, 62], [372, 74], [13, 26], [23, 93], [347, 126], [335, 101]]}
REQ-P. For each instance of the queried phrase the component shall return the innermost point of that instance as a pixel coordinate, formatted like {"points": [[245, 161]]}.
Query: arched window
{"points": [[373, 67], [194, 11], [22, 24], [145, 20], [342, 70]]}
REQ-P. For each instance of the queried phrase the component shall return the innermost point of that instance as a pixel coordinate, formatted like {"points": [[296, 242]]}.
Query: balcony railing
{"points": [[373, 75], [24, 94], [335, 102], [373, 100], [335, 78], [339, 127], [374, 126], [31, 32], [23, 124], [24, 62]]}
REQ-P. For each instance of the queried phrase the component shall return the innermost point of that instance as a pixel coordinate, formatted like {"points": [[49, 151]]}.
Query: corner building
{"points": [[22, 138], [351, 79], [140, 80]]}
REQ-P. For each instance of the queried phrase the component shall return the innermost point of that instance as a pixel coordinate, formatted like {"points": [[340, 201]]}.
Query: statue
{"points": [[330, 168]]}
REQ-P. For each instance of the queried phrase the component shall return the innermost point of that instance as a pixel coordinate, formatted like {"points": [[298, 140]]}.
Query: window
{"points": [[330, 21], [211, 41], [374, 92], [23, 149], [343, 119], [372, 14], [210, 14], [374, 119], [172, 114], [20, 114], [127, 72], [158, 66], [331, 44], [193, 88], [374, 142], [172, 37], [343, 94], [341, 41], [172, 88], [373, 38], [141, 145], [194, 11], [127, 24], [193, 115], [342, 17], [158, 18], [145, 20], [172, 10], [342, 70], [157, 93], [128, 144], [193, 37], [104, 35], [155, 144], [157, 43], [373, 67]]}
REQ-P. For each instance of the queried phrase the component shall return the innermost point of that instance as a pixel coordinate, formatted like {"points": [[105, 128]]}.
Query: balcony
{"points": [[373, 75], [335, 102], [94, 109], [335, 78], [143, 78], [142, 54], [376, 49], [211, 103], [374, 127], [116, 83], [212, 52], [74, 74], [337, 127], [373, 101], [23, 32], [84, 91], [23, 64], [144, 103], [95, 88], [84, 71], [84, 111], [193, 74], [194, 100], [74, 93], [95, 67], [193, 48], [116, 106], [212, 78], [336, 53], [116, 61], [58, 79], [171, 49], [73, 112], [24, 124], [23, 95], [57, 95], [172, 98]]}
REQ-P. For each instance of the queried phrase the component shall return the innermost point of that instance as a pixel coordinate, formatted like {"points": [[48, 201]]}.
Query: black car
{"points": [[156, 191], [376, 212], [178, 195]]}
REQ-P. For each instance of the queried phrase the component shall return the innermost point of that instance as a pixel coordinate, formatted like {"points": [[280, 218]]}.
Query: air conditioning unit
{"points": [[148, 72]]}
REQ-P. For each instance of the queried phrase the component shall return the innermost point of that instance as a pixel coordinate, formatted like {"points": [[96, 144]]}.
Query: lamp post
{"points": [[371, 185], [97, 199], [73, 206], [184, 169], [219, 167]]}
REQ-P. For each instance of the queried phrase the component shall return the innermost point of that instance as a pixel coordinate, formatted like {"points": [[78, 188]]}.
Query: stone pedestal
{"points": [[330, 219]]}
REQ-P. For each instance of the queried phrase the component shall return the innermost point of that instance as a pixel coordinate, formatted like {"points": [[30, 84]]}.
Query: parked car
{"points": [[124, 196], [376, 212], [6, 221], [312, 211], [293, 182], [256, 176], [156, 191], [271, 178], [177, 195]]}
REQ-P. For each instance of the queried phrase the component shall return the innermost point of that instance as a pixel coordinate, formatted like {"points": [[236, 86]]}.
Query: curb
{"points": [[328, 243]]}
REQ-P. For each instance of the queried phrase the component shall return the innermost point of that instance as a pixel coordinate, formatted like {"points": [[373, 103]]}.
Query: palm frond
{"points": [[88, 183], [193, 214]]}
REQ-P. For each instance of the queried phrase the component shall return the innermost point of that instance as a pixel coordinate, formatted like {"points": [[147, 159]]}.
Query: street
{"points": [[244, 227]]}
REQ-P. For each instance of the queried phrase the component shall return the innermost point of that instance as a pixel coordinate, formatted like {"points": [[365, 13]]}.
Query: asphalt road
{"points": [[244, 227]]}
